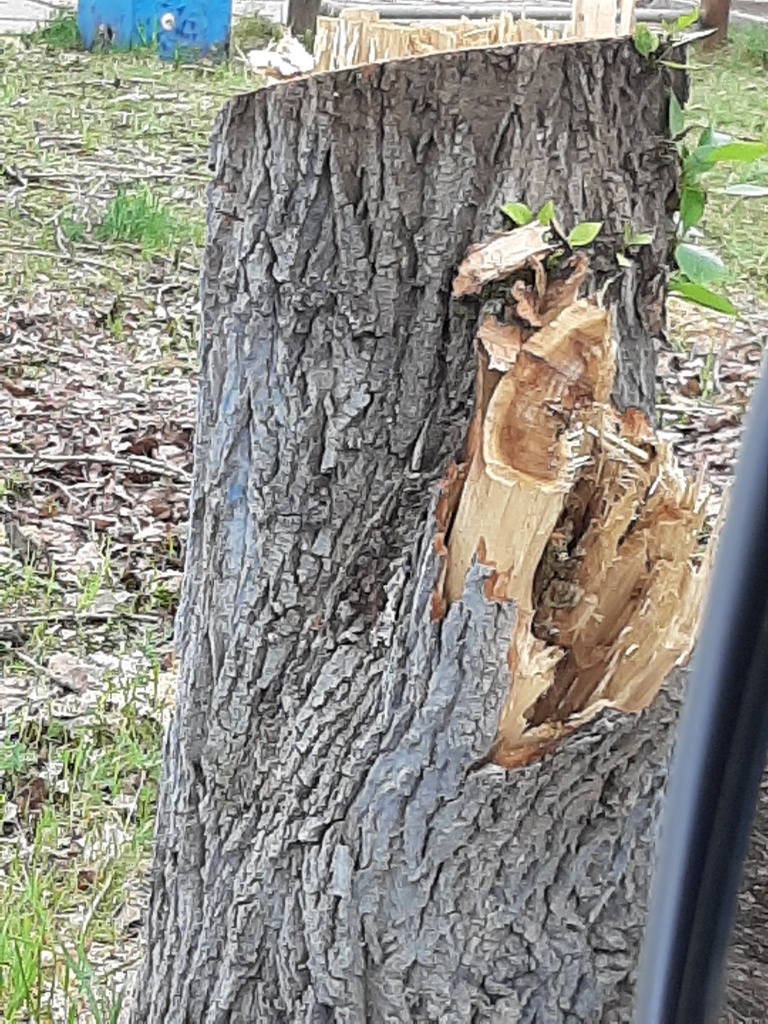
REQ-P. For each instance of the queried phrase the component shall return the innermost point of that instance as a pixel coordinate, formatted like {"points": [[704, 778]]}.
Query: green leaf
{"points": [[643, 238], [546, 213], [702, 296], [741, 152], [518, 212], [698, 264], [745, 191], [584, 234], [685, 20], [731, 151], [623, 260], [691, 206], [676, 118], [645, 40]]}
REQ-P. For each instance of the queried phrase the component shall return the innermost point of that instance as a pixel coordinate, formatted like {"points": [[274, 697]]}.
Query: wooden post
{"points": [[594, 19], [302, 16], [626, 17], [715, 14]]}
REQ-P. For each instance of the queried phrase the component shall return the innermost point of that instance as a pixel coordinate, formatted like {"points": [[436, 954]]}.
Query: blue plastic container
{"points": [[184, 27]]}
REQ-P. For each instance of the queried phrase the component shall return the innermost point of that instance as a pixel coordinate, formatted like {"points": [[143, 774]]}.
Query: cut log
{"points": [[338, 838], [360, 36]]}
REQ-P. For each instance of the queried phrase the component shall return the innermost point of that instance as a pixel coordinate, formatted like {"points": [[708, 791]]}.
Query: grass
{"points": [[111, 163], [78, 783], [140, 217], [81, 797], [255, 32], [104, 195], [60, 33]]}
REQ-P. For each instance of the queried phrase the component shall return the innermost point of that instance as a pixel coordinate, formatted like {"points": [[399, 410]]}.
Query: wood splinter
{"points": [[589, 525]]}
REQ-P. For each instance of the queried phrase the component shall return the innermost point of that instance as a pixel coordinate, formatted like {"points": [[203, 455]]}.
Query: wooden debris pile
{"points": [[362, 37], [590, 527]]}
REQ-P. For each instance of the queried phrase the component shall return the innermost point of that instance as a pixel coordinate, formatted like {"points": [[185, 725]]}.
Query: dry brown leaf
{"points": [[500, 258]]}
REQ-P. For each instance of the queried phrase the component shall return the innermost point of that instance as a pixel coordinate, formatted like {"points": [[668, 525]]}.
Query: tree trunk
{"points": [[715, 14], [333, 843], [302, 16]]}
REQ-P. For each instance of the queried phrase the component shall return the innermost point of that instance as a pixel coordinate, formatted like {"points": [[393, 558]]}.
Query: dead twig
{"points": [[43, 671], [53, 254], [55, 618], [136, 463]]}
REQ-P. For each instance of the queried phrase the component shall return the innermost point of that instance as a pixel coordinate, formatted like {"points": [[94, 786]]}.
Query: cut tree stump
{"points": [[338, 837]]}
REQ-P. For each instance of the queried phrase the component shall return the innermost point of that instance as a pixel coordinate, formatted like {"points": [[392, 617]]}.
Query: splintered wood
{"points": [[361, 37], [588, 524]]}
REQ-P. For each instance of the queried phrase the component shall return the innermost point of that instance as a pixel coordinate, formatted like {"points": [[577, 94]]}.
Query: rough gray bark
{"points": [[747, 988], [332, 844]]}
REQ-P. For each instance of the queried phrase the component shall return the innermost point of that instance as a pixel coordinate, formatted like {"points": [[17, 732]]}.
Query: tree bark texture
{"points": [[332, 844]]}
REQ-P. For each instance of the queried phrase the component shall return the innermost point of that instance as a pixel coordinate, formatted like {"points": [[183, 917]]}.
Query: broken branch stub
{"points": [[589, 526]]}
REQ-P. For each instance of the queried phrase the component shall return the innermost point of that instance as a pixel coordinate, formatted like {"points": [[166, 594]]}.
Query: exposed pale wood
{"points": [[626, 17], [500, 257], [594, 19], [589, 527], [360, 36]]}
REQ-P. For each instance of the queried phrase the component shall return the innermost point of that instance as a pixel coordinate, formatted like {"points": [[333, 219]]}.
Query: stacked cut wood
{"points": [[589, 526], [361, 36], [596, 19]]}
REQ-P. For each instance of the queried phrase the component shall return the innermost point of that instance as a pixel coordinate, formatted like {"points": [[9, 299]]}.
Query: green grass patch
{"points": [[140, 217], [60, 33], [72, 230], [77, 802], [115, 147], [255, 32]]}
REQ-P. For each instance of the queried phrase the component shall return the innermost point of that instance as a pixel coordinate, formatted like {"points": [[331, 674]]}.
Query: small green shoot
{"points": [[686, 20], [646, 42], [584, 234], [641, 238], [546, 213], [632, 240], [518, 213]]}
